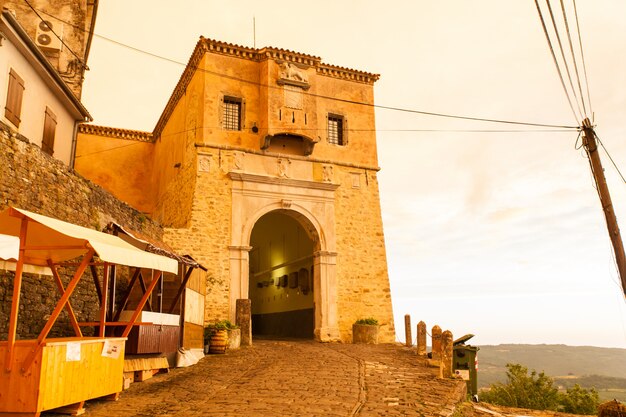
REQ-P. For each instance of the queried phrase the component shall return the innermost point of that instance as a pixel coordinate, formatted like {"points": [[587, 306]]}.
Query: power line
{"points": [[353, 130], [392, 108], [569, 75], [55, 34], [556, 63], [582, 55], [571, 47]]}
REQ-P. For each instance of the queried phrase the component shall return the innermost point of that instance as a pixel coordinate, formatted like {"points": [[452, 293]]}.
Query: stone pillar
{"points": [[325, 296], [447, 350], [239, 276], [421, 338], [436, 342], [244, 320], [407, 330]]}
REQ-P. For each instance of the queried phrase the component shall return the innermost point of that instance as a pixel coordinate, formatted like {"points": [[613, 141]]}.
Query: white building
{"points": [[37, 102]]}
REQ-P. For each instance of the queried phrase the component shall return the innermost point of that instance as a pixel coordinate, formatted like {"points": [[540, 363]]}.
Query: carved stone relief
{"points": [[238, 160], [327, 173], [204, 162], [283, 167]]}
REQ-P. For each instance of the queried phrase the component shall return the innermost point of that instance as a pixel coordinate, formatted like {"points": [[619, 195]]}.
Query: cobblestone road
{"points": [[292, 378]]}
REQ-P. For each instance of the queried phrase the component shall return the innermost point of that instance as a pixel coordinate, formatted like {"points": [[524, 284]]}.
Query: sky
{"points": [[498, 234]]}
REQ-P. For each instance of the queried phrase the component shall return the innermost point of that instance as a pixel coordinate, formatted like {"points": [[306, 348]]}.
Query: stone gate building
{"points": [[263, 167]]}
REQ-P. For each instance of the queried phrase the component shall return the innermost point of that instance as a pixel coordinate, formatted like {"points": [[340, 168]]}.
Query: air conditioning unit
{"points": [[46, 39]]}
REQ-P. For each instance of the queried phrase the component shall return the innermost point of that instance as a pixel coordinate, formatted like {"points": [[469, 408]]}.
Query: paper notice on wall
{"points": [[72, 352], [112, 348]]}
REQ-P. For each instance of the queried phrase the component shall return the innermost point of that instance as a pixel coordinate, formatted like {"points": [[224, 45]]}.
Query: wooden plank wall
{"points": [[94, 376], [18, 392]]}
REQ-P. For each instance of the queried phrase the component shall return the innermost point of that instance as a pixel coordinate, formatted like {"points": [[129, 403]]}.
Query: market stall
{"points": [[48, 373]]}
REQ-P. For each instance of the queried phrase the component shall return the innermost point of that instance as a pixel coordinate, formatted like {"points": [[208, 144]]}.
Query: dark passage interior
{"points": [[281, 278]]}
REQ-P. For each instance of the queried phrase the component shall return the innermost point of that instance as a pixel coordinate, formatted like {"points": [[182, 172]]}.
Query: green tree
{"points": [[578, 400], [535, 391]]}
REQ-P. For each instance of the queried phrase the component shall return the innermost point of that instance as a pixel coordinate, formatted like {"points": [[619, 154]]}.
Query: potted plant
{"points": [[217, 335], [365, 331], [234, 334]]}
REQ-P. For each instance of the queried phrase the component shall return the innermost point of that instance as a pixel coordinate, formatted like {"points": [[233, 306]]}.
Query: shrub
{"points": [[369, 321]]}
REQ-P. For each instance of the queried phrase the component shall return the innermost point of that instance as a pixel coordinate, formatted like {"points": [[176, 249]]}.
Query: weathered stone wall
{"points": [[32, 180], [208, 236], [362, 280]]}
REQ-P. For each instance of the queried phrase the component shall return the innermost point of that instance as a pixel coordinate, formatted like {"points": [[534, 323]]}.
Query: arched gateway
{"points": [[270, 216]]}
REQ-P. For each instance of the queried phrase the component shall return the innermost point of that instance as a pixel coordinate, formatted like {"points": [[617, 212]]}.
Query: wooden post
{"points": [[181, 289], [103, 301], [142, 303], [68, 307], [589, 142], [436, 342], [407, 330], [445, 367], [421, 338], [243, 319], [15, 301]]}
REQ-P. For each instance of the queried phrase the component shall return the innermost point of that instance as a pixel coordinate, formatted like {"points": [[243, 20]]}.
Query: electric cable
{"points": [[55, 34], [378, 106], [571, 47], [582, 56], [556, 62], [569, 75]]}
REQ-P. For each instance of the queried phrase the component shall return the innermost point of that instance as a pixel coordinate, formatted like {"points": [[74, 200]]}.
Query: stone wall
{"points": [[208, 236], [32, 180], [363, 284]]}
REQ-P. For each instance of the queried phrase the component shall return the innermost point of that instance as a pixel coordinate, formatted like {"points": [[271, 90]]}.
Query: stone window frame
{"points": [[49, 131], [15, 94], [336, 131], [229, 101]]}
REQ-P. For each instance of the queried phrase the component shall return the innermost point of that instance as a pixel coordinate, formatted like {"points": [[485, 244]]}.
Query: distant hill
{"points": [[602, 368]]}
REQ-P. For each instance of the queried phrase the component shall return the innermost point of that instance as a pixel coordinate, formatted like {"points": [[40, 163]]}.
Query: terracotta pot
{"points": [[219, 342], [365, 333]]}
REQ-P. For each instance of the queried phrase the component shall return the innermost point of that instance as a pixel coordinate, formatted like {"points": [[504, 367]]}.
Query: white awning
{"points": [[58, 241]]}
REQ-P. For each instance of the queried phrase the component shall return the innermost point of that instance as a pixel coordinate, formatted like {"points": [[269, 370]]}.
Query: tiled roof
{"points": [[113, 132]]}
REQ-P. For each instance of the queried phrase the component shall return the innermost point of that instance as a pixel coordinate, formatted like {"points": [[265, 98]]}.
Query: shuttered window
{"points": [[13, 107], [49, 130]]}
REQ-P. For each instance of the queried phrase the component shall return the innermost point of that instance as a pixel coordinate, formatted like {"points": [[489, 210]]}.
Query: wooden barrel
{"points": [[219, 342]]}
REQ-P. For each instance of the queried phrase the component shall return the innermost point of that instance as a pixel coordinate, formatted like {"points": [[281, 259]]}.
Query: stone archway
{"points": [[311, 204]]}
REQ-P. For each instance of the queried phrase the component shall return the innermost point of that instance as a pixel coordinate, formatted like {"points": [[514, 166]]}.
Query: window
{"points": [[335, 130], [49, 129], [232, 113], [13, 107]]}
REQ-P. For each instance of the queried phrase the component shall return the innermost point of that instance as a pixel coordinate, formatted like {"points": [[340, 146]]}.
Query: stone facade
{"points": [[35, 181], [212, 175]]}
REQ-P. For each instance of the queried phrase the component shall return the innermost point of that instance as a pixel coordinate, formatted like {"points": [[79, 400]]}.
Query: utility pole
{"points": [[591, 147]]}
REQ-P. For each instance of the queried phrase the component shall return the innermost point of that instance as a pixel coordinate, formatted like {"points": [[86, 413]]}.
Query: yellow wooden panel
{"points": [[66, 382], [193, 337], [194, 307], [18, 392]]}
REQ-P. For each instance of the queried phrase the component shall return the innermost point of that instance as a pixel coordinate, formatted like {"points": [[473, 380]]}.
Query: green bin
{"points": [[465, 363]]}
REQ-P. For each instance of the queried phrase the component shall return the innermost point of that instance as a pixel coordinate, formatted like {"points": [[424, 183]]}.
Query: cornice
{"points": [[181, 86], [114, 132], [262, 179], [347, 74]]}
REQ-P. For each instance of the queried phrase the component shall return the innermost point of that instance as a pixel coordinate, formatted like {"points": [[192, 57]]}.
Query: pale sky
{"points": [[496, 234]]}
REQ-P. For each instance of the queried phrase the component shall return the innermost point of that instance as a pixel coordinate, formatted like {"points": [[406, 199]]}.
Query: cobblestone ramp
{"points": [[293, 378]]}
